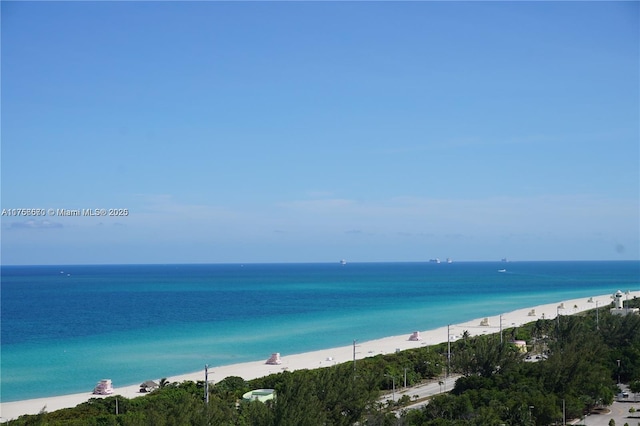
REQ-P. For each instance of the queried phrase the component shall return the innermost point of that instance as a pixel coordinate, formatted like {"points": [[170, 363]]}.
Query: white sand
{"points": [[327, 357]]}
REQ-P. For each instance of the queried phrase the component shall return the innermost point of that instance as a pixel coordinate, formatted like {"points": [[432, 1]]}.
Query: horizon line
{"points": [[337, 262]]}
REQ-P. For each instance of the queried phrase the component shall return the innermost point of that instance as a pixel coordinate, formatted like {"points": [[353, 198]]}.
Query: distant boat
{"points": [[502, 270], [343, 262], [504, 259], [436, 260], [449, 260]]}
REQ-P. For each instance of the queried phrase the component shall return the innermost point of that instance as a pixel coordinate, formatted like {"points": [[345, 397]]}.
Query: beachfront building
{"points": [[262, 395], [618, 305]]}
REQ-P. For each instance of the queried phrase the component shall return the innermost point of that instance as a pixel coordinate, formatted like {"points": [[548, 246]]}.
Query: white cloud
{"points": [[36, 224], [323, 205], [568, 215]]}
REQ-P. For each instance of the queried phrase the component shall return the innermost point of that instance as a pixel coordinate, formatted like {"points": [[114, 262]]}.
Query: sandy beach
{"points": [[328, 357]]}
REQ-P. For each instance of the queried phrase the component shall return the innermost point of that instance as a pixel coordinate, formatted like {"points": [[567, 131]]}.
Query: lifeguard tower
{"points": [[618, 305], [274, 359]]}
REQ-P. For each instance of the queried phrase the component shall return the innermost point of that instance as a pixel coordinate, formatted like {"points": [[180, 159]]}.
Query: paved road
{"points": [[421, 391], [619, 411]]}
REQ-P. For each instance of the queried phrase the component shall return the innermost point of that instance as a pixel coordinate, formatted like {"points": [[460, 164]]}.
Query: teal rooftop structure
{"points": [[262, 395]]}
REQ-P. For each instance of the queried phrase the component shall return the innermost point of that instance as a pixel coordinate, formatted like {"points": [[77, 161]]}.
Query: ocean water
{"points": [[66, 327]]}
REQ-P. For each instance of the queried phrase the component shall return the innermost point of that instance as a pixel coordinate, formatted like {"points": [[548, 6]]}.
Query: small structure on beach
{"points": [[274, 359], [104, 387], [618, 305], [484, 322], [415, 336], [262, 395], [148, 386]]}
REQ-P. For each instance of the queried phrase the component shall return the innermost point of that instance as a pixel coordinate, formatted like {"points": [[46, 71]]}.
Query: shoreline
{"points": [[328, 357]]}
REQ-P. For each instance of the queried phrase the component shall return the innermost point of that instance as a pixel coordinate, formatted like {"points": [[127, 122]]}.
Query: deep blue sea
{"points": [[66, 327]]}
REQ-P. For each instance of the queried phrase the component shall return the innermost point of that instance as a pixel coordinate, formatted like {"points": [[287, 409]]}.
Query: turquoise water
{"points": [[66, 327]]}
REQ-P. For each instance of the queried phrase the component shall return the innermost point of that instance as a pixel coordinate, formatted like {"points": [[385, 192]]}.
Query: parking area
{"points": [[618, 411]]}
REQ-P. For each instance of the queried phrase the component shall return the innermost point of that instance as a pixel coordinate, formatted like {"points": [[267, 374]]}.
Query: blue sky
{"points": [[311, 132]]}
